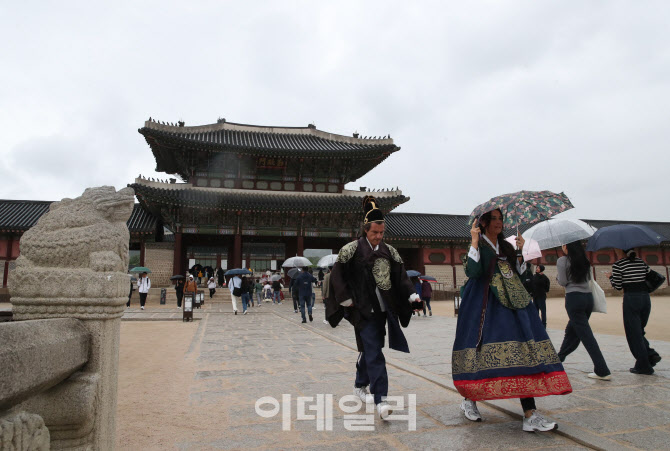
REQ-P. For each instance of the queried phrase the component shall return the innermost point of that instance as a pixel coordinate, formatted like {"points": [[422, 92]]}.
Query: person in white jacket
{"points": [[212, 287], [143, 286], [235, 287]]}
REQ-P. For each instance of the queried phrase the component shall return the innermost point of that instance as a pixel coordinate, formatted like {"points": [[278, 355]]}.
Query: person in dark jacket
{"points": [[541, 286], [370, 288], [179, 290], [527, 279], [276, 291], [426, 294], [303, 283], [293, 288]]}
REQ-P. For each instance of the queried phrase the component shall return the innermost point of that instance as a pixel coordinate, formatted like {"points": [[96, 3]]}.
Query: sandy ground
{"points": [[609, 323], [155, 370]]}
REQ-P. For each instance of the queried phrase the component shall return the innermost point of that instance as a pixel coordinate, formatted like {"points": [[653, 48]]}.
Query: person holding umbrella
{"points": [[501, 349], [426, 294], [628, 274], [573, 273], [179, 291]]}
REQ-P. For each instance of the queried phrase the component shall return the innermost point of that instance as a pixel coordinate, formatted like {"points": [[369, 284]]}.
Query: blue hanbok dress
{"points": [[501, 349]]}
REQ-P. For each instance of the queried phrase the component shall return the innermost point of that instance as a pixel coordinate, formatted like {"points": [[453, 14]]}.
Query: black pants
{"points": [[179, 298], [129, 296], [636, 310], [426, 303], [294, 295], [143, 299], [371, 364], [527, 404], [541, 305], [579, 307], [211, 292]]}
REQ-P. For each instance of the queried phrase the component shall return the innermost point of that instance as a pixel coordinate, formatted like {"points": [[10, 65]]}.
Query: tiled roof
{"points": [[141, 220], [20, 215], [427, 226], [253, 200], [275, 141]]}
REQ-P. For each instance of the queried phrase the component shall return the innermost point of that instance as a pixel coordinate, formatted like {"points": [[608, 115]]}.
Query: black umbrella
{"points": [[624, 236], [237, 272], [177, 277]]}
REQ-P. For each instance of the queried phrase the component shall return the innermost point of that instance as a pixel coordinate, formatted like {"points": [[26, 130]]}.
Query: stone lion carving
{"points": [[23, 431], [79, 249]]}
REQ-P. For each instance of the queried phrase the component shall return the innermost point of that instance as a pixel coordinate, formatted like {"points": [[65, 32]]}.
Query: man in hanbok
{"points": [[370, 288]]}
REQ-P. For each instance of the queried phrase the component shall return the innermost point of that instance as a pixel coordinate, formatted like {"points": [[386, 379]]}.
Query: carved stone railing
{"points": [[58, 377]]}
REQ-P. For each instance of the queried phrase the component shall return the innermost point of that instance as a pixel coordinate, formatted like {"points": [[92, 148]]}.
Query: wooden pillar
{"points": [[5, 272], [453, 263], [420, 266], [178, 255], [142, 251], [237, 251], [300, 246]]}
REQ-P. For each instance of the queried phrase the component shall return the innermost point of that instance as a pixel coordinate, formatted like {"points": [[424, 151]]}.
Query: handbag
{"points": [[653, 280], [237, 291], [599, 301]]}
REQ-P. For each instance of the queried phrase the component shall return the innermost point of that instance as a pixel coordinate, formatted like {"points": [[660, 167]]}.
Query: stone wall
{"points": [[159, 258]]}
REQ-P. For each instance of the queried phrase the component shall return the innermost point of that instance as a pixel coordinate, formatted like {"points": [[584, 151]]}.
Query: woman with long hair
{"points": [[628, 274], [573, 273], [501, 349]]}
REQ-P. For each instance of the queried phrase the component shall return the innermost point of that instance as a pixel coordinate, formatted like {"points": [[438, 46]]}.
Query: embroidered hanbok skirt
{"points": [[516, 359]]}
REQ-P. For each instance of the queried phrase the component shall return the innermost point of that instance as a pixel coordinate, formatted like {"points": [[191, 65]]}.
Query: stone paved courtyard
{"points": [[227, 362]]}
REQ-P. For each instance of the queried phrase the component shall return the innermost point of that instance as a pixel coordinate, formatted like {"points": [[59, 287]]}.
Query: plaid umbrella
{"points": [[524, 207]]}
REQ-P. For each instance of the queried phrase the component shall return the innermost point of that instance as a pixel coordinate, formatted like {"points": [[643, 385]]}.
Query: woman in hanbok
{"points": [[501, 349]]}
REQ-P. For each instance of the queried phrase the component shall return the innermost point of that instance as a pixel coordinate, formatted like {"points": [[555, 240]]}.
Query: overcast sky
{"points": [[483, 98]]}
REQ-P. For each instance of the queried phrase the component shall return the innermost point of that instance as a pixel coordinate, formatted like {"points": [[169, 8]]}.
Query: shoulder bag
{"points": [[599, 301]]}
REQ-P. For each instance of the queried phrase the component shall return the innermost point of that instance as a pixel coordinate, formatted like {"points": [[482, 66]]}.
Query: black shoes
{"points": [[304, 320], [636, 371], [654, 360], [310, 318]]}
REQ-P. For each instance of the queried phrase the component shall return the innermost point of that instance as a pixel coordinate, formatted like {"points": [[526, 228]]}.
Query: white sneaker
{"points": [[470, 410], [245, 312], [325, 321], [600, 378], [384, 410], [364, 395], [178, 308], [142, 307], [538, 423]]}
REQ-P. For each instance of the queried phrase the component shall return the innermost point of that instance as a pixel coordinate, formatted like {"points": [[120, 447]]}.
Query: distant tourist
{"points": [[247, 286], [418, 304], [143, 286], [293, 289], [235, 287], [321, 276], [541, 286], [179, 290], [325, 291], [628, 274], [212, 287], [303, 282], [219, 275], [130, 295], [199, 276], [276, 291], [191, 288], [258, 286], [426, 294], [573, 273]]}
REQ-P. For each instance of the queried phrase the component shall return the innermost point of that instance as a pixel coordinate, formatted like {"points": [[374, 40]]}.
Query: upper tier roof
{"points": [[20, 215], [253, 140]]}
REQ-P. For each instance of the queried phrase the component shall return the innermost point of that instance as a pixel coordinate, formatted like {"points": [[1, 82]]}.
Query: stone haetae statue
{"points": [[79, 249], [74, 264]]}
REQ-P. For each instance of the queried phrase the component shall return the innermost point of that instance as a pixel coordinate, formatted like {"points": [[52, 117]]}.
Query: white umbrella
{"points": [[531, 250], [296, 262], [557, 232], [328, 260], [276, 277]]}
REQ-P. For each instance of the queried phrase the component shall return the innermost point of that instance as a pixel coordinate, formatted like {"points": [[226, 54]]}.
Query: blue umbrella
{"points": [[237, 272], [624, 236], [412, 273]]}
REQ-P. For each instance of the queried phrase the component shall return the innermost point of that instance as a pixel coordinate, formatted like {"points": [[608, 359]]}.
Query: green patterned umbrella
{"points": [[524, 207]]}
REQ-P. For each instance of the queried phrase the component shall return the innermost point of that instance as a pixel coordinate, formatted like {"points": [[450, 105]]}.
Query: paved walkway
{"points": [[240, 359]]}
